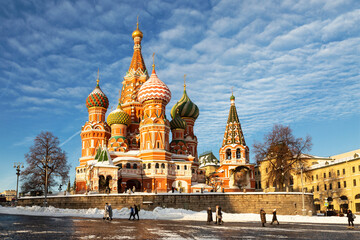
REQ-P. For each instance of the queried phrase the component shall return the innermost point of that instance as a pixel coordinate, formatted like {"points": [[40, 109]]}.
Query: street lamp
{"points": [[17, 166], [45, 161], [302, 188]]}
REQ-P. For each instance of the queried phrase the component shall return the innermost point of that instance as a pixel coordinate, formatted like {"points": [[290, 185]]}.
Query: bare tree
{"points": [[283, 154], [214, 182], [46, 146]]}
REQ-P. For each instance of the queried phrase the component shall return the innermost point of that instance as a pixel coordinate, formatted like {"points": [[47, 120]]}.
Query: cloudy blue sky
{"points": [[290, 62]]}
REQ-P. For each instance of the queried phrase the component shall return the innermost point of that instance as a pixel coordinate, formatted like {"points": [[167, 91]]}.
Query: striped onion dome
{"points": [[154, 89], [178, 122], [118, 116], [185, 107], [97, 98]]}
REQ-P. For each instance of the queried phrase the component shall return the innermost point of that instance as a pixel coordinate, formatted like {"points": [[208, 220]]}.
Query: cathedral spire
{"points": [[233, 133], [137, 61]]}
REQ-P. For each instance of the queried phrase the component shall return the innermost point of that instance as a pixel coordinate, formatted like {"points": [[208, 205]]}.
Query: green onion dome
{"points": [[186, 107], [118, 116], [232, 97], [177, 123], [97, 98]]}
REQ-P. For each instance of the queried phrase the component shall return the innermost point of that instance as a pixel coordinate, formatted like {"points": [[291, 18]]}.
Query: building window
{"points": [[329, 174], [178, 167], [338, 172], [144, 166], [324, 175], [238, 153], [317, 188], [128, 165], [353, 169], [312, 188], [157, 165], [135, 166], [163, 165], [344, 184], [228, 153], [149, 165], [330, 186], [344, 171], [185, 167], [325, 187], [312, 178], [120, 165], [359, 168], [158, 145], [317, 177], [354, 181], [193, 171], [266, 170], [339, 185]]}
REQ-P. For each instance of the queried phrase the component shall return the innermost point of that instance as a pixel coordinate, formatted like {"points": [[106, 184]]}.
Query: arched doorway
{"points": [[108, 181], [130, 184], [102, 184], [120, 190]]}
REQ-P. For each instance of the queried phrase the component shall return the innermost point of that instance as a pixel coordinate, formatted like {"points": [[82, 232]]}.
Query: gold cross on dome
{"points": [[184, 81]]}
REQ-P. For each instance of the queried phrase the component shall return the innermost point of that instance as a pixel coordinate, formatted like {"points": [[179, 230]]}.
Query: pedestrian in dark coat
{"points": [[209, 215], [350, 217], [274, 219], [110, 211], [132, 213], [136, 210], [263, 217], [219, 216]]}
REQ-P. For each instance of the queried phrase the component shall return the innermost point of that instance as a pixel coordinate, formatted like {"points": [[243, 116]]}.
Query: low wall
{"points": [[285, 203]]}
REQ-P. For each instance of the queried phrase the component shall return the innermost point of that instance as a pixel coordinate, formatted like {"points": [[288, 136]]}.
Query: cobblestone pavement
{"points": [[33, 227]]}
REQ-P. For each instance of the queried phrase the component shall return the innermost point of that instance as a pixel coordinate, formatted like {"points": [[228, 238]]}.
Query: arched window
{"points": [[149, 165], [135, 166], [158, 145], [238, 153], [357, 196], [120, 165], [144, 166], [163, 165], [193, 171], [228, 153], [185, 167], [157, 165], [178, 167], [128, 165]]}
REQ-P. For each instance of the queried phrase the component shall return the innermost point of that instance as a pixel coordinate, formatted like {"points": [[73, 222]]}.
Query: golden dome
{"points": [[137, 32]]}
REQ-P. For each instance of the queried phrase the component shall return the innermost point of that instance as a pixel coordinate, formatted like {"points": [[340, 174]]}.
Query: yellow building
{"points": [[264, 182], [335, 183], [9, 194]]}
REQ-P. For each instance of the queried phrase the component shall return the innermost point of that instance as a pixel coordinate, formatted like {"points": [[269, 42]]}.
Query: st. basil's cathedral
{"points": [[131, 149]]}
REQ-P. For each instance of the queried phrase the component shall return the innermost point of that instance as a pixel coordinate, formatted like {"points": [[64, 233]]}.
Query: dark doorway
{"points": [[130, 184], [102, 184]]}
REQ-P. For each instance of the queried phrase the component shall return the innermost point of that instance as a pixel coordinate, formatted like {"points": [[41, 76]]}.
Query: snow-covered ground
{"points": [[162, 214]]}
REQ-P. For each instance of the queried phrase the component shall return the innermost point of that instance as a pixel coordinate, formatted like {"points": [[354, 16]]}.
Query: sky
{"points": [[294, 63]]}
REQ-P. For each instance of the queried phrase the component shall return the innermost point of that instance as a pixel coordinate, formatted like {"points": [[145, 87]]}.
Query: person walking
{"points": [[132, 213], [263, 217], [110, 211], [136, 211], [219, 216], [106, 212], [209, 215], [350, 217], [274, 219], [216, 214]]}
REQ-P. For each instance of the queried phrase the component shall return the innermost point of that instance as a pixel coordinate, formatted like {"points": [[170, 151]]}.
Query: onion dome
{"points": [[186, 107], [97, 98], [118, 116], [137, 32], [177, 122], [232, 97], [154, 89]]}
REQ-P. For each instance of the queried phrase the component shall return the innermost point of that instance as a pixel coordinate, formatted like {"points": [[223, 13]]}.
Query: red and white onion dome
{"points": [[154, 89]]}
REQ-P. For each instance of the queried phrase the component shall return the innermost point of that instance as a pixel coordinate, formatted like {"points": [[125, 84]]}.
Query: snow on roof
{"points": [[126, 158], [332, 162]]}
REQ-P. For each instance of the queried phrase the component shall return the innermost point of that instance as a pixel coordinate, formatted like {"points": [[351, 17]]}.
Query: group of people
{"points": [[218, 215], [134, 211], [108, 212], [263, 217]]}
